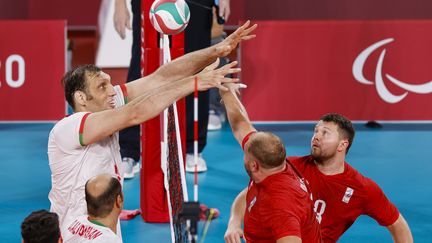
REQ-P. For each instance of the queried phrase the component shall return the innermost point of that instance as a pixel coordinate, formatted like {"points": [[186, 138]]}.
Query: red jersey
{"points": [[280, 206], [340, 199]]}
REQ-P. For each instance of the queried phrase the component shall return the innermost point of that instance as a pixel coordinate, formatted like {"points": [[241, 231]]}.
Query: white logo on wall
{"points": [[380, 86]]}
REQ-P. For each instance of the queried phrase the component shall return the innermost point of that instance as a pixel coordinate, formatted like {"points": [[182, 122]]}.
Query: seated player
{"points": [[104, 199], [277, 207], [340, 193]]}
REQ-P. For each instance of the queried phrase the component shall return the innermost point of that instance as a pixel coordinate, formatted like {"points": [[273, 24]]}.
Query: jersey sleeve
{"points": [[67, 134], [121, 97], [281, 214], [378, 206]]}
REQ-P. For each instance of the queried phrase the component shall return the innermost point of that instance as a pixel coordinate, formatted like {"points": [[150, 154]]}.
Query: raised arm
{"points": [[234, 230], [102, 124], [190, 63], [400, 231], [237, 115]]}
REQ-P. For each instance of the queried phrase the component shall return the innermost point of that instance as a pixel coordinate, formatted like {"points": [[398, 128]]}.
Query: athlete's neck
{"points": [[331, 166], [109, 222], [264, 173]]}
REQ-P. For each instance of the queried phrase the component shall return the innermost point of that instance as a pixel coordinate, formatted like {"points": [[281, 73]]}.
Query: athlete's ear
{"points": [[80, 97], [255, 165], [343, 145], [119, 201]]}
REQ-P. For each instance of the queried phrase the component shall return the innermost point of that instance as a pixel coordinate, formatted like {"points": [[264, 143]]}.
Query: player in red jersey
{"points": [[340, 193], [278, 205]]}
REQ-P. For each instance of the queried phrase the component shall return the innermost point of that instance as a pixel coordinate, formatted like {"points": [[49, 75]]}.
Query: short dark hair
{"points": [[268, 149], [102, 205], [75, 80], [345, 126], [40, 227]]}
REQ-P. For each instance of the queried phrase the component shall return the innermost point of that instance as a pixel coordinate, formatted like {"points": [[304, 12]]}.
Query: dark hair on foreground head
{"points": [[268, 149], [345, 126], [40, 227], [102, 205], [75, 80]]}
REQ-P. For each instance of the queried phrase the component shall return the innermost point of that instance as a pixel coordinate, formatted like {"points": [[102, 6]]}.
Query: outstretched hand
{"points": [[235, 87], [211, 77], [230, 43]]}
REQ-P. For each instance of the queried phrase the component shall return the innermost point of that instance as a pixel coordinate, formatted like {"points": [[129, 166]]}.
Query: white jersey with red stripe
{"points": [[72, 164], [81, 230]]}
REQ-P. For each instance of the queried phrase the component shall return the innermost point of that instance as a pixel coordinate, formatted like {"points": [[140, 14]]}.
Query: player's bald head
{"points": [[267, 148], [98, 184], [101, 192]]}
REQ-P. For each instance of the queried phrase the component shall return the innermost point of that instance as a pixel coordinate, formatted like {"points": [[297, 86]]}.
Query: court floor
{"points": [[396, 156]]}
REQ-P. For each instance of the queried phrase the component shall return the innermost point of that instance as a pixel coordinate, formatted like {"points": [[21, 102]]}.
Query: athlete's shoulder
{"points": [[358, 178], [300, 163], [69, 120], [286, 184]]}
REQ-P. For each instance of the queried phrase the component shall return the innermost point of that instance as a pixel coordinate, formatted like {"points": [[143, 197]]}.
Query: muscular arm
{"points": [[237, 115], [184, 66], [148, 105], [234, 231], [400, 231], [190, 63]]}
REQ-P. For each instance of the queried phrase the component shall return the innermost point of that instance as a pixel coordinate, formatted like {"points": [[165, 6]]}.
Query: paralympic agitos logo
{"points": [[379, 83]]}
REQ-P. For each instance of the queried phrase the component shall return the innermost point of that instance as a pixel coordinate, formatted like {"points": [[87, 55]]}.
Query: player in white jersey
{"points": [[86, 143], [104, 199]]}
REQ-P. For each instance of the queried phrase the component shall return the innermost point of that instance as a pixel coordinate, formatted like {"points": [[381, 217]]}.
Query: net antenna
{"points": [[184, 215]]}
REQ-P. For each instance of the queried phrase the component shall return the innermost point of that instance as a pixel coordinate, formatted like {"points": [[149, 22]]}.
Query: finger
{"points": [[245, 25], [122, 33], [232, 64], [128, 24], [237, 238], [226, 239], [120, 30], [216, 63], [116, 27], [212, 66], [229, 239], [242, 86], [248, 37], [231, 71], [250, 29], [221, 87], [227, 14], [240, 29], [230, 80], [229, 66], [221, 11]]}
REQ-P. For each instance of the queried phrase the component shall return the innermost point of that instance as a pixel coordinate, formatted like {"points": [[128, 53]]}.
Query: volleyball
{"points": [[169, 17]]}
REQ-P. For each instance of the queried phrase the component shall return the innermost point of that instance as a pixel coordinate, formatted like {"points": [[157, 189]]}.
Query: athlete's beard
{"points": [[316, 156], [319, 156]]}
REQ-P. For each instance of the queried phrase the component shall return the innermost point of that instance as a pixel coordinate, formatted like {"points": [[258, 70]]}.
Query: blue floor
{"points": [[397, 157]]}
